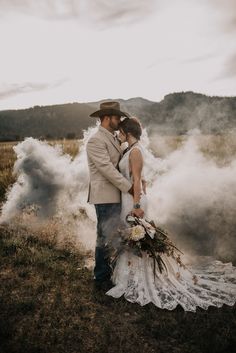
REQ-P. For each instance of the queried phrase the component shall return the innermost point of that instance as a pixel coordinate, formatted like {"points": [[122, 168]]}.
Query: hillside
{"points": [[55, 121], [175, 114]]}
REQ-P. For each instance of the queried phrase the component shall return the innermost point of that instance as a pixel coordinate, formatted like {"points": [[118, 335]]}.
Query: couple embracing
{"points": [[117, 186]]}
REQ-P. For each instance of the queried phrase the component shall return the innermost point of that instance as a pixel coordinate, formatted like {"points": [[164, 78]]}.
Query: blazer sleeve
{"points": [[97, 152]]}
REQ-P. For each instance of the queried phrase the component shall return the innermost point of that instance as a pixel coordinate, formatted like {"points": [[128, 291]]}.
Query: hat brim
{"points": [[103, 112]]}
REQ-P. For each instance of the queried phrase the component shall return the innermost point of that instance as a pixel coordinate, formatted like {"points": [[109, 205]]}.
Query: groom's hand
{"points": [[138, 212]]}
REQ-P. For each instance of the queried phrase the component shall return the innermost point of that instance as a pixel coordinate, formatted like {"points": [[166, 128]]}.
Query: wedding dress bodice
{"points": [[126, 198]]}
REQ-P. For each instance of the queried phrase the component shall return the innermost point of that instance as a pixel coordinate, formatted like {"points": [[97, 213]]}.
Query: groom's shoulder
{"points": [[96, 137]]}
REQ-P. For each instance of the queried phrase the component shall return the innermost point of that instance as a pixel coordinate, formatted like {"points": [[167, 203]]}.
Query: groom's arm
{"points": [[97, 152]]}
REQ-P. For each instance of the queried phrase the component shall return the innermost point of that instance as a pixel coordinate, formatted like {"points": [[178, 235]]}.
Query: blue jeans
{"points": [[108, 219]]}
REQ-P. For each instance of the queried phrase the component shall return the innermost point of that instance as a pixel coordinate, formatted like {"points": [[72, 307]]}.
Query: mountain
{"points": [[175, 114], [180, 112]]}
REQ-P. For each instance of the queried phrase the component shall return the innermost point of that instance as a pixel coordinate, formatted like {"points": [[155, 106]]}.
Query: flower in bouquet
{"points": [[150, 229], [137, 233]]}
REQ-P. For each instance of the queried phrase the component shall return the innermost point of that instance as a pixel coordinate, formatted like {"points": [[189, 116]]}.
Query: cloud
{"points": [[232, 65], [230, 68], [200, 58], [228, 12], [227, 22], [43, 8], [13, 89], [122, 11], [159, 61], [100, 11]]}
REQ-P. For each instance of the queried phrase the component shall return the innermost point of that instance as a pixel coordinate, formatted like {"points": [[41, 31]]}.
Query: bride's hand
{"points": [[138, 212]]}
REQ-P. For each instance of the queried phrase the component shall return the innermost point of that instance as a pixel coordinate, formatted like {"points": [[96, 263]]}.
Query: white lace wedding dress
{"points": [[214, 284]]}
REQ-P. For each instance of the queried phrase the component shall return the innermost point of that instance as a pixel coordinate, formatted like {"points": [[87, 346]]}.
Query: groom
{"points": [[106, 184]]}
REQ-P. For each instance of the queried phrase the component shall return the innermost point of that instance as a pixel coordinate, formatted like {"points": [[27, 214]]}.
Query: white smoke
{"points": [[189, 194], [51, 185], [195, 198]]}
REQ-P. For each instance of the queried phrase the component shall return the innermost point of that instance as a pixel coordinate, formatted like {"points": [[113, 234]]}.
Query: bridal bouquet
{"points": [[142, 235]]}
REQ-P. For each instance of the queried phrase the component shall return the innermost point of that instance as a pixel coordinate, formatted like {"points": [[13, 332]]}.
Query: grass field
{"points": [[48, 303]]}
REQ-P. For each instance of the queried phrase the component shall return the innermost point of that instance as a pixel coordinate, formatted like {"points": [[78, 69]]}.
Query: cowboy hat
{"points": [[109, 108]]}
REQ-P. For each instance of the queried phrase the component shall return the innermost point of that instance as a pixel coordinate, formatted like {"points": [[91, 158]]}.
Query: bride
{"points": [[212, 283]]}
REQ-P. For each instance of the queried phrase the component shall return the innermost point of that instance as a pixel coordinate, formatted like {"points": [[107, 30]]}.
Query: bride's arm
{"points": [[136, 165]]}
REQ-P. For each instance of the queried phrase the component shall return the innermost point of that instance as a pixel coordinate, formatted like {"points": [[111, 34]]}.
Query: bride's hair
{"points": [[132, 126]]}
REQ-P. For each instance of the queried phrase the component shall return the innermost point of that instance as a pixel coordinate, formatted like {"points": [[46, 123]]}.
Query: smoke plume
{"points": [[189, 193], [194, 197]]}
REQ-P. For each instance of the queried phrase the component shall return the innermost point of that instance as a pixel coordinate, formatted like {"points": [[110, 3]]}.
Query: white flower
{"points": [[137, 233], [149, 228]]}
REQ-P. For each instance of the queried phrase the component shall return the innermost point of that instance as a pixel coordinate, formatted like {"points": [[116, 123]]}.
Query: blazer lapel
{"points": [[111, 139]]}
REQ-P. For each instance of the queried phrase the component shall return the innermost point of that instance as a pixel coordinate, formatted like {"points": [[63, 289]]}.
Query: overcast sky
{"points": [[59, 51]]}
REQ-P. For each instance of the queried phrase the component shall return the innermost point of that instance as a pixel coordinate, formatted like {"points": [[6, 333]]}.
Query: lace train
{"points": [[134, 278]]}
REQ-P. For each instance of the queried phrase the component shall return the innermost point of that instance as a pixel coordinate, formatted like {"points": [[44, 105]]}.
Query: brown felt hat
{"points": [[109, 108]]}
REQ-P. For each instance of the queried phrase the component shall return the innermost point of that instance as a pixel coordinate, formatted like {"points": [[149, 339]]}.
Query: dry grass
{"points": [[70, 147], [7, 160], [48, 304]]}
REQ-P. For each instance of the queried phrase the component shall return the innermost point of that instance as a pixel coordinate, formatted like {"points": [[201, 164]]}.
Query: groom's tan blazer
{"points": [[106, 182]]}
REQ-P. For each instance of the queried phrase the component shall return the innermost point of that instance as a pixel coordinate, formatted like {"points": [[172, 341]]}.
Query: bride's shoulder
{"points": [[136, 154], [136, 150]]}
